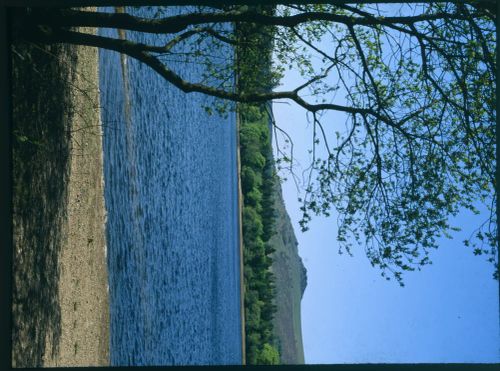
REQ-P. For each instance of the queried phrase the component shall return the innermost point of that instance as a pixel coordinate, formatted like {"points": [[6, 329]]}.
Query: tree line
{"points": [[253, 59], [257, 181]]}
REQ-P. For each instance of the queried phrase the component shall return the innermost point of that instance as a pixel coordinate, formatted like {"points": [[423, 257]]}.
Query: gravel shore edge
{"points": [[83, 282]]}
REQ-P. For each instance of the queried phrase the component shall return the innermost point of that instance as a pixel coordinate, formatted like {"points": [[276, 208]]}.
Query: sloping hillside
{"points": [[291, 280]]}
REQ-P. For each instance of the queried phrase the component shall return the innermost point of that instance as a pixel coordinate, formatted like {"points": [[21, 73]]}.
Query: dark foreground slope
{"points": [[291, 280], [40, 162], [59, 273]]}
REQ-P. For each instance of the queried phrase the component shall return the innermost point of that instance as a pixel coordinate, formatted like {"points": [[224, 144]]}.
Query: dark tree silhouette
{"points": [[416, 82]]}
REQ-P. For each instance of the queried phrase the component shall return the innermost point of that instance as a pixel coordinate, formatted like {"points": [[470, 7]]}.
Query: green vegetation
{"points": [[258, 188], [274, 276], [257, 182]]}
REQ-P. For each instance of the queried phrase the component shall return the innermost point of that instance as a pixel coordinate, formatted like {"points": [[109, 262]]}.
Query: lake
{"points": [[172, 227]]}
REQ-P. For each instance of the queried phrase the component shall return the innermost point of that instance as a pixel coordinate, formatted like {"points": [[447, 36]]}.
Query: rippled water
{"points": [[172, 232]]}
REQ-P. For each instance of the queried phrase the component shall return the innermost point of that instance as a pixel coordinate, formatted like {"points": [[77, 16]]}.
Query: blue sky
{"points": [[448, 312]]}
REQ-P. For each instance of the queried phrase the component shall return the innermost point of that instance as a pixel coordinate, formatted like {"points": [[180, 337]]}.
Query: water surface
{"points": [[171, 196]]}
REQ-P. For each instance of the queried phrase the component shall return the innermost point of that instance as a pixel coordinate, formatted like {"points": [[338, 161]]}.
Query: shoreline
{"points": [[60, 299], [83, 283], [80, 335]]}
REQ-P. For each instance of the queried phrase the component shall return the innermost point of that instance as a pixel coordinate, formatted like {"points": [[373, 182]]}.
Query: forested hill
{"points": [[274, 276], [290, 280]]}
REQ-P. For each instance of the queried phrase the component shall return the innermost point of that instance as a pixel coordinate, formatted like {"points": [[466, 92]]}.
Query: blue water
{"points": [[172, 231]]}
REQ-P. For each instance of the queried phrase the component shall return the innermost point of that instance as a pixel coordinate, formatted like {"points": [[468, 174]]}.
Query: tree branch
{"points": [[141, 53], [174, 24]]}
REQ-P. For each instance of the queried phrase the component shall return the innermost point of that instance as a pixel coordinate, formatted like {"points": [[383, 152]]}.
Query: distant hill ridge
{"points": [[291, 281]]}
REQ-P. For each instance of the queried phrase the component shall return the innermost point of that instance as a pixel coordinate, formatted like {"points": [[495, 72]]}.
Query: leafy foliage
{"points": [[414, 83], [426, 149], [257, 180]]}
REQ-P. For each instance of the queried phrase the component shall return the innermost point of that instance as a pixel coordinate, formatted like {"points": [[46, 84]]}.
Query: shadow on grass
{"points": [[40, 162]]}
